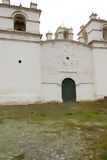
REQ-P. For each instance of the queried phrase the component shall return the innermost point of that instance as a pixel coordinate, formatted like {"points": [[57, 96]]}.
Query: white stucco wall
{"points": [[86, 92], [6, 23], [32, 27], [95, 35], [20, 82], [50, 92], [55, 68], [100, 66]]}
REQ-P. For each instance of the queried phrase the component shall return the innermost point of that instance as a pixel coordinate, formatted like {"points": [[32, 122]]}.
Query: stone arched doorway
{"points": [[68, 90]]}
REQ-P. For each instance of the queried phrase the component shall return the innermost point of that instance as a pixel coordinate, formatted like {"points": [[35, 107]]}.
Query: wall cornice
{"points": [[92, 20], [21, 8], [96, 41], [20, 40], [26, 20], [62, 40], [20, 33], [98, 44], [97, 30]]}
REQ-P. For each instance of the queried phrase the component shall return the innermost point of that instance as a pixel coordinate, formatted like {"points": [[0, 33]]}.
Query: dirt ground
{"points": [[54, 131]]}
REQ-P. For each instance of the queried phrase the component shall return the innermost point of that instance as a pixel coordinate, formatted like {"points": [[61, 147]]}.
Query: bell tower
{"points": [[94, 30], [64, 33], [21, 23]]}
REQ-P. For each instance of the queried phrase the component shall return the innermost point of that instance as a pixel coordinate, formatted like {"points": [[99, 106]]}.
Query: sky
{"points": [[68, 13]]}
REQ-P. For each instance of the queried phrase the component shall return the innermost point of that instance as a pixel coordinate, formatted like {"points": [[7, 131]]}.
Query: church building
{"points": [[33, 70]]}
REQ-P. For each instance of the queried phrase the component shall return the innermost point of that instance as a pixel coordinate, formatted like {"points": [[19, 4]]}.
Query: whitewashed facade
{"points": [[32, 70]]}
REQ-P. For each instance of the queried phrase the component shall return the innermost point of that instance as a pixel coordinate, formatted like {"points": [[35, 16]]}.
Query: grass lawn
{"points": [[54, 131]]}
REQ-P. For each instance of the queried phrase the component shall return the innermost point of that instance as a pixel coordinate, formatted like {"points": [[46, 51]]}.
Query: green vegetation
{"points": [[72, 131], [104, 156]]}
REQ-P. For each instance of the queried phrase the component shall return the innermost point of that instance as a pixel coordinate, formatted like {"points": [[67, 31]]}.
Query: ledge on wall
{"points": [[6, 2]]}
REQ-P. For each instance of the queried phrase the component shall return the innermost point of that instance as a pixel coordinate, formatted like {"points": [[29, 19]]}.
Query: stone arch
{"points": [[68, 90], [104, 32], [21, 13], [85, 36], [65, 35], [19, 22]]}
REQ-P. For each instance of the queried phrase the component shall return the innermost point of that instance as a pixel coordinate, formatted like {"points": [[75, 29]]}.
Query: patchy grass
{"points": [[72, 131], [104, 156]]}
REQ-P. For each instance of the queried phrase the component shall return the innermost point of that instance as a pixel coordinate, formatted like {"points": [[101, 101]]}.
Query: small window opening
{"points": [[20, 61], [19, 23], [67, 58], [85, 37], [66, 35], [105, 33]]}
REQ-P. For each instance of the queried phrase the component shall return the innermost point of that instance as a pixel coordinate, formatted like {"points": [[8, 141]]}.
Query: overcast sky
{"points": [[70, 13]]}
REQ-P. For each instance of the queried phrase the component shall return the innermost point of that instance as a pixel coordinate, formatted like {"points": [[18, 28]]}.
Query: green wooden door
{"points": [[68, 90]]}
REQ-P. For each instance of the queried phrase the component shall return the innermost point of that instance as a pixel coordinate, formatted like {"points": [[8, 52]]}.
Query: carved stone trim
{"points": [[20, 33], [21, 8], [26, 20], [67, 71], [77, 84], [49, 83], [95, 20], [94, 30], [96, 41], [71, 41], [20, 40]]}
